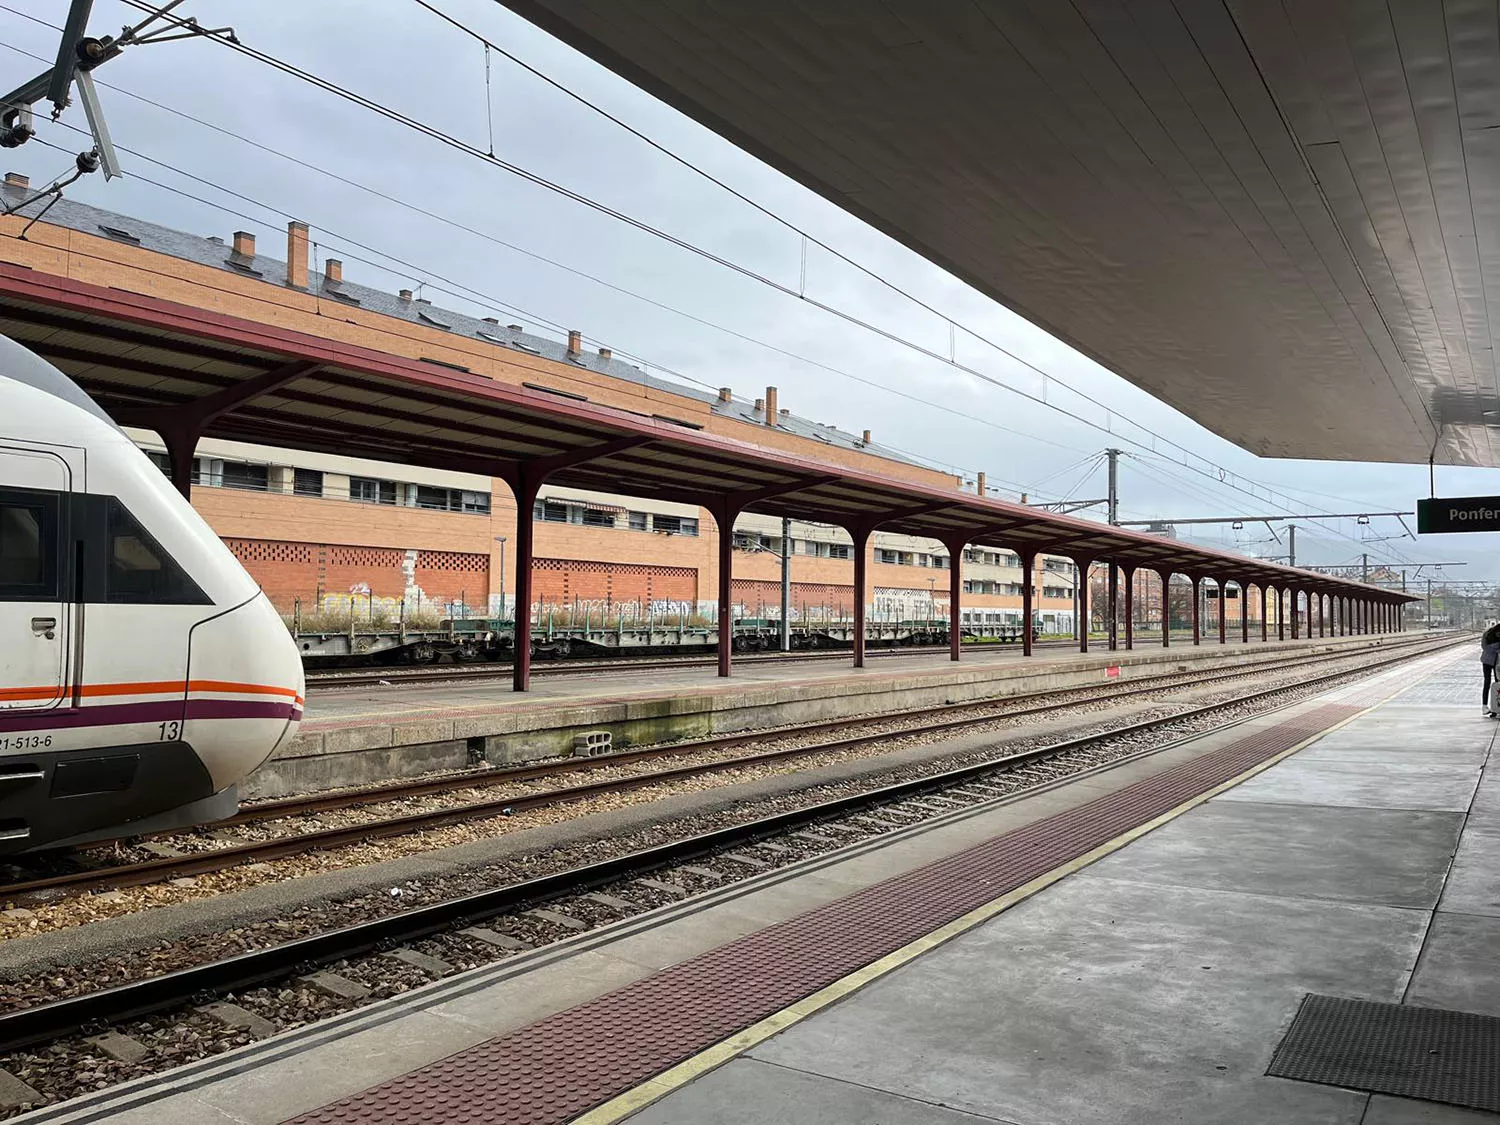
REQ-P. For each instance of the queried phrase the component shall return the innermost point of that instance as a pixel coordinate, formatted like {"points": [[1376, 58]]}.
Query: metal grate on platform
{"points": [[560, 1066], [1429, 1053]]}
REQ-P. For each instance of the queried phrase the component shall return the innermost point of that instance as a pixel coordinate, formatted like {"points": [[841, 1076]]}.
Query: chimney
{"points": [[296, 254], [981, 489], [404, 294], [491, 320], [606, 354], [866, 437], [515, 328], [333, 270], [1023, 498], [16, 180], [760, 404], [726, 395], [244, 243], [771, 406], [575, 343]]}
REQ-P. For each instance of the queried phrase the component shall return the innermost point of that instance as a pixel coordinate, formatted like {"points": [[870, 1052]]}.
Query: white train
{"points": [[143, 674]]}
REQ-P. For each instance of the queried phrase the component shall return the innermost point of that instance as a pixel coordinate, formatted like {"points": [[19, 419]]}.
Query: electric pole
{"points": [[1291, 544], [1114, 486], [1364, 568]]}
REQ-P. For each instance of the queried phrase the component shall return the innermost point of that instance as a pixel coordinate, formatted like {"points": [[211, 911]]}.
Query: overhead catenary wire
{"points": [[459, 291], [578, 197], [1160, 476], [968, 416], [1224, 477]]}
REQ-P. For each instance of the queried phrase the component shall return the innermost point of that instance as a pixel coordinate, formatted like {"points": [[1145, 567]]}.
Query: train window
{"points": [[140, 571], [28, 548]]}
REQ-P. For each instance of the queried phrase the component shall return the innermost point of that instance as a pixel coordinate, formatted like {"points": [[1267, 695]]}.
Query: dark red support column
{"points": [[180, 427], [181, 444], [1129, 608], [525, 492], [1294, 595], [1028, 577], [1244, 613], [1197, 608], [1263, 624], [725, 513], [1083, 602], [1322, 614], [525, 480], [861, 535], [1114, 606], [1166, 607], [955, 589], [1223, 611]]}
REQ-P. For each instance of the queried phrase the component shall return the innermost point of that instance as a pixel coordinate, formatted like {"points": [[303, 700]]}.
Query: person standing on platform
{"points": [[1489, 652]]}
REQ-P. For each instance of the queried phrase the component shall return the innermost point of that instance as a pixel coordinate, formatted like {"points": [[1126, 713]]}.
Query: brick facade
{"points": [[565, 582]]}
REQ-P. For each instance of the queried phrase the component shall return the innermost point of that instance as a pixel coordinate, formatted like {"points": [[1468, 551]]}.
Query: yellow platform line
{"points": [[653, 1089]]}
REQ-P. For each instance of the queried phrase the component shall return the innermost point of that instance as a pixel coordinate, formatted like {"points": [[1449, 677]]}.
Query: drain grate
{"points": [[1430, 1053]]}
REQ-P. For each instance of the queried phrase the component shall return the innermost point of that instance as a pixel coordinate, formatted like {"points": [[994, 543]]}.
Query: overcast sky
{"points": [[395, 53]]}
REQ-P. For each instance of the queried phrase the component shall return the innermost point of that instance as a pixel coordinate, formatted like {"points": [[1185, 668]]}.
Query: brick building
{"points": [[321, 532], [325, 533]]}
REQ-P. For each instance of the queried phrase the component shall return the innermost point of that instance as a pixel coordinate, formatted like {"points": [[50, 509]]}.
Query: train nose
{"points": [[245, 690]]}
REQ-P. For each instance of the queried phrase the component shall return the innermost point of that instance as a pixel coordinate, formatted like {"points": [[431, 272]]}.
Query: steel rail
{"points": [[1146, 685], [201, 983], [484, 670], [220, 859]]}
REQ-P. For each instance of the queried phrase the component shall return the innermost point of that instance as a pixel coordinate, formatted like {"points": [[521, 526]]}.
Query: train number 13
{"points": [[169, 731]]}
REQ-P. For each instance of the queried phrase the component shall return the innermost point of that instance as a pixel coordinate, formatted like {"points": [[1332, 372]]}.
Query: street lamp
{"points": [[501, 540]]}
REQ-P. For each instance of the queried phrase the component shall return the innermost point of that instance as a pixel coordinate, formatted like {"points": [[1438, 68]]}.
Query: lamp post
{"points": [[501, 540]]}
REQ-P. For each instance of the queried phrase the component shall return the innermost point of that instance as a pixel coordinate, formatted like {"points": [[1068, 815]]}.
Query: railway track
{"points": [[845, 817], [479, 673], [937, 720], [463, 673]]}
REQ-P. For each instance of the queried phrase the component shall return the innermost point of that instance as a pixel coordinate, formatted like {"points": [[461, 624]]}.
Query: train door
{"points": [[35, 613]]}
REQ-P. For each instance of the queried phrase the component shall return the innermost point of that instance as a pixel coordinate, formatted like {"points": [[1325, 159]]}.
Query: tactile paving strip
{"points": [[1430, 1053], [558, 1067]]}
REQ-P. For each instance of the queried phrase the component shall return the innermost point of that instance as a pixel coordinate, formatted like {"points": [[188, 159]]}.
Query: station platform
{"points": [[357, 736], [1129, 945]]}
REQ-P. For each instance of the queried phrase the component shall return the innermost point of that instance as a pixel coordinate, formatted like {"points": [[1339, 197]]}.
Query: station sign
{"points": [[1459, 513]]}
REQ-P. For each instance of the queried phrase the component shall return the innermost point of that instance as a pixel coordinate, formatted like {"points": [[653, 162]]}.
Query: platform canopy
{"points": [[192, 373], [1281, 217]]}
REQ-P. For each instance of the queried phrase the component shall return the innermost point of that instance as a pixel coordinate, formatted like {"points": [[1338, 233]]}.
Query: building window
{"points": [[675, 525], [640, 521], [598, 517], [890, 558], [838, 550], [476, 502], [307, 482], [238, 474], [940, 562], [161, 461], [369, 491], [549, 511]]}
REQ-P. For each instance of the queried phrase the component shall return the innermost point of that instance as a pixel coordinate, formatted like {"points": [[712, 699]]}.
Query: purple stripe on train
{"points": [[162, 711]]}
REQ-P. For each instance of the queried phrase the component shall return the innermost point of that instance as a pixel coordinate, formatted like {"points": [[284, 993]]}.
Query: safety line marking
{"points": [[674, 1078]]}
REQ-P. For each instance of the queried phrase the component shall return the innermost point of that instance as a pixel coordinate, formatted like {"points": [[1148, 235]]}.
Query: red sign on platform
{"points": [[1112, 672]]}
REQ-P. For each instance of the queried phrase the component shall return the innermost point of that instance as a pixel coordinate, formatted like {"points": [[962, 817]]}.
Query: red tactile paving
{"points": [[558, 1067]]}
